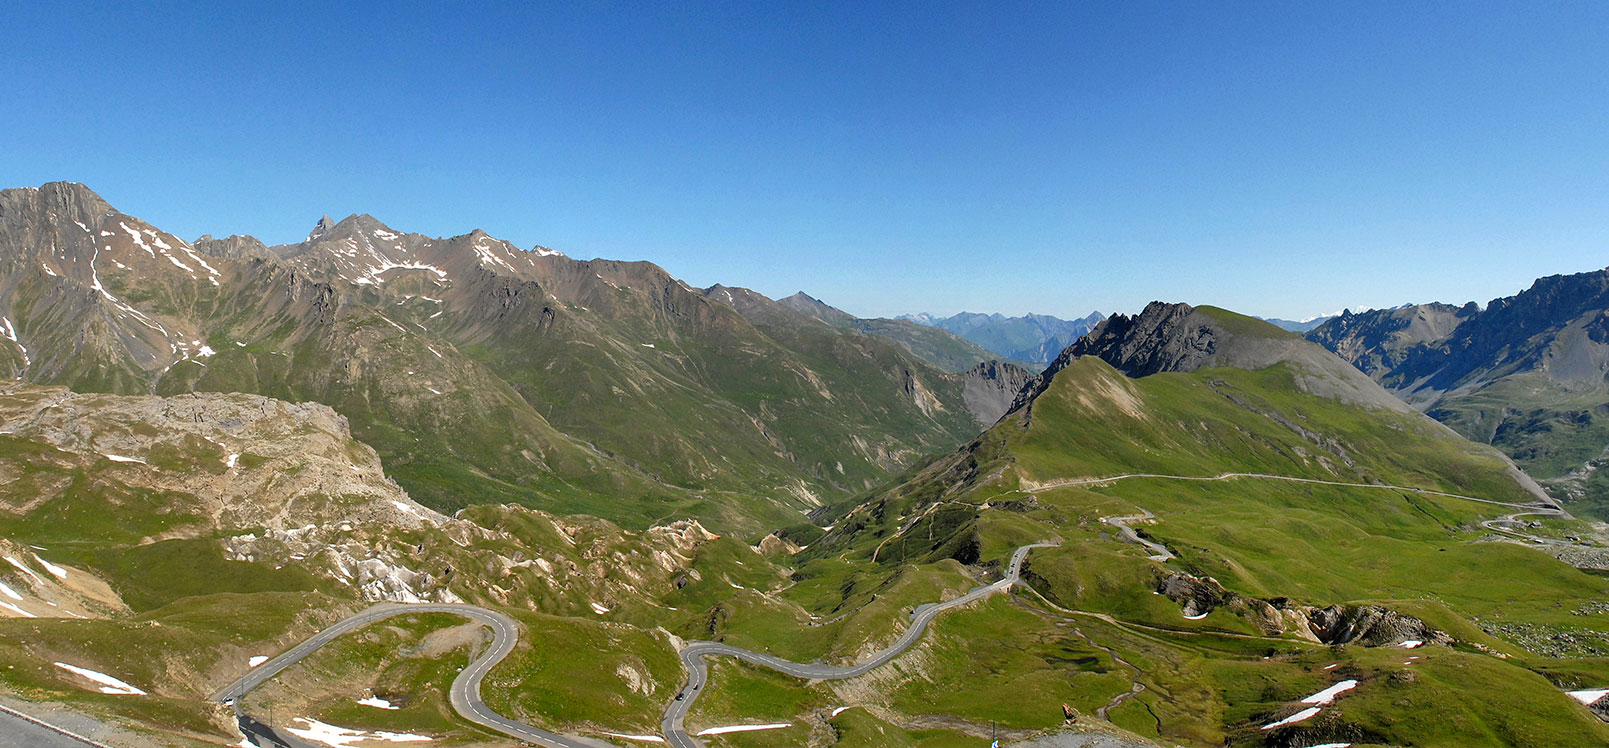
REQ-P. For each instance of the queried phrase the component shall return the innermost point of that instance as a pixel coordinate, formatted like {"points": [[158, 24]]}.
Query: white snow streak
{"points": [[139, 240], [38, 580], [744, 728], [121, 458], [256, 660], [376, 702], [10, 332], [1328, 695], [108, 683], [52, 568], [1294, 718]]}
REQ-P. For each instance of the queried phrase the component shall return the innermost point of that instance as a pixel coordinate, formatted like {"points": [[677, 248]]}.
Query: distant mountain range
{"points": [[1034, 339], [1298, 326], [1526, 374], [936, 346]]}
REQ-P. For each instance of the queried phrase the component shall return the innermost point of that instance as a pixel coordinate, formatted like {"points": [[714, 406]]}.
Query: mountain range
{"points": [[1298, 326], [1227, 533], [1034, 339], [1526, 373], [480, 371]]}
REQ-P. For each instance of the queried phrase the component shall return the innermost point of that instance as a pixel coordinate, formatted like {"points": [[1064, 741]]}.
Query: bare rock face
{"points": [[991, 387], [1164, 337], [1370, 626], [774, 545], [1198, 596]]}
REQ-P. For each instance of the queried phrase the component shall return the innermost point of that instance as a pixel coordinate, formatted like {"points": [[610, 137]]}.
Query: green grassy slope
{"points": [[1221, 677]]}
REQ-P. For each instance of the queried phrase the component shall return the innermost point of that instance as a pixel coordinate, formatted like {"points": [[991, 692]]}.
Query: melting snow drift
{"points": [[1590, 696], [1328, 695], [108, 683], [744, 728], [343, 737], [1293, 719]]}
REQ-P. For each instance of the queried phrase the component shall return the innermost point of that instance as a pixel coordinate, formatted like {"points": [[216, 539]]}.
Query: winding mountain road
{"points": [[465, 693], [1161, 553], [693, 654]]}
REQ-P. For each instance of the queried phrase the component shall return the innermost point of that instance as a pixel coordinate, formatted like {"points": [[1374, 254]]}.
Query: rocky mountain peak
{"points": [[803, 302], [321, 229], [1163, 337], [1177, 337]]}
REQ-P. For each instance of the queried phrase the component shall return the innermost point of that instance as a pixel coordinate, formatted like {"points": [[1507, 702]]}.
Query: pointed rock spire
{"points": [[323, 227]]}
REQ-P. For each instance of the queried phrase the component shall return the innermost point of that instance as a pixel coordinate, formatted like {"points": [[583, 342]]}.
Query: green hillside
{"points": [[1279, 550]]}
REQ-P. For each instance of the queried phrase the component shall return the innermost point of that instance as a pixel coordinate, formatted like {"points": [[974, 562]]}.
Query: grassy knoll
{"points": [[740, 693], [858, 728], [570, 673]]}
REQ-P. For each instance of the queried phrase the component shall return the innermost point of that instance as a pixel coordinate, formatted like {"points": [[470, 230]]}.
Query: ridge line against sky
{"points": [[1274, 160]]}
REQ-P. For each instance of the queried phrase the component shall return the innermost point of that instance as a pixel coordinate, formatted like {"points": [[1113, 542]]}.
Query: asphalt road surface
{"points": [[1159, 552], [465, 694], [693, 654], [17, 731]]}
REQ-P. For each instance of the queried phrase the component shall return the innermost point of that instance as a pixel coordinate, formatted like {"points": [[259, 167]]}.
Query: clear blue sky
{"points": [[1281, 159]]}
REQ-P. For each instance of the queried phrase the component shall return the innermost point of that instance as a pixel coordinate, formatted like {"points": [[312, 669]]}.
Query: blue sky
{"points": [[1280, 159]]}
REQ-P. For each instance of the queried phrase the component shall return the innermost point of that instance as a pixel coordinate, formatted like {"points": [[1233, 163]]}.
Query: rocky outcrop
{"points": [[240, 460], [1363, 625], [1164, 337], [1370, 626], [1198, 596]]}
